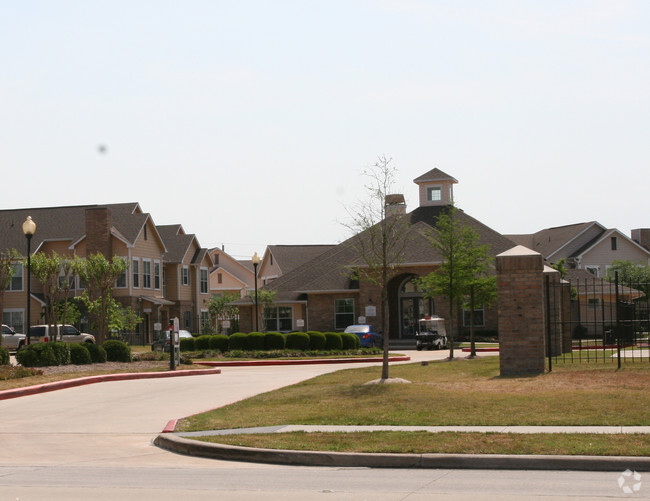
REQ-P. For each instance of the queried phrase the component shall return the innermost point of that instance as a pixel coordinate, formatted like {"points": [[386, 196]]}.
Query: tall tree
{"points": [[380, 239], [8, 260], [465, 267], [99, 275]]}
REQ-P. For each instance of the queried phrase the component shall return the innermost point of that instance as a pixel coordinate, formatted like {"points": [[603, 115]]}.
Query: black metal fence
{"points": [[607, 322]]}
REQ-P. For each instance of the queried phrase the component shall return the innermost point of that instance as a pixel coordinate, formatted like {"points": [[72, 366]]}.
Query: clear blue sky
{"points": [[249, 122]]}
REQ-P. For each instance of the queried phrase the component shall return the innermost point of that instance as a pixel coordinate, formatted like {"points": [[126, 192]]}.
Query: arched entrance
{"points": [[411, 305]]}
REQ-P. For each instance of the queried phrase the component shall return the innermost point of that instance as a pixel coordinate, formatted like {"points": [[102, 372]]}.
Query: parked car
{"points": [[161, 343], [431, 333], [11, 340], [65, 333], [368, 338]]}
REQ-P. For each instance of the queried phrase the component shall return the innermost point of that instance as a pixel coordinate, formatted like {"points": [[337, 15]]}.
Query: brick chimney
{"points": [[642, 237], [395, 205], [98, 231]]}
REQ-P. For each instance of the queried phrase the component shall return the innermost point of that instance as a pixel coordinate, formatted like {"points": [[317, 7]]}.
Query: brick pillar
{"points": [[520, 285], [98, 232]]}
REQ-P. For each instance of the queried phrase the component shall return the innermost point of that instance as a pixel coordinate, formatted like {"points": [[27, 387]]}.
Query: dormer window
{"points": [[434, 193]]}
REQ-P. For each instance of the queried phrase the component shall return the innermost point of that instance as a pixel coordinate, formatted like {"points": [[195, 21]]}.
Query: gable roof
{"points": [[68, 224], [290, 257], [550, 240], [178, 243]]}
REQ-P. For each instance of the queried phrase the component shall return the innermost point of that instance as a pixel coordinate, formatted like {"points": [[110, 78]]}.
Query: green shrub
{"points": [[237, 341], [274, 341], [188, 344], [37, 355], [350, 341], [4, 356], [333, 341], [117, 351], [219, 343], [255, 341], [61, 352], [97, 353], [79, 354], [202, 343], [316, 340], [297, 341]]}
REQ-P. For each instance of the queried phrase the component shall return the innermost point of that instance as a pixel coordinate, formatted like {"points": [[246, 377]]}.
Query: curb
{"points": [[315, 361], [180, 445], [70, 383]]}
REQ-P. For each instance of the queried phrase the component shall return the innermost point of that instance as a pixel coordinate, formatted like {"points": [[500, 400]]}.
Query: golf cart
{"points": [[431, 333]]}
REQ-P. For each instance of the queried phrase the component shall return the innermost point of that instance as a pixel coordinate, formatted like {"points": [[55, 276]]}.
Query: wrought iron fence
{"points": [[606, 322]]}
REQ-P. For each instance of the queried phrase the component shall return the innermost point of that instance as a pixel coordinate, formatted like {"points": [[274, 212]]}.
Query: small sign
{"points": [[157, 326], [225, 324], [300, 322], [176, 324], [361, 320], [371, 311]]}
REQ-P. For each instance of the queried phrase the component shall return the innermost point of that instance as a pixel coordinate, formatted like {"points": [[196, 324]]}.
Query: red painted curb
{"points": [[245, 363], [171, 426], [70, 383], [467, 350]]}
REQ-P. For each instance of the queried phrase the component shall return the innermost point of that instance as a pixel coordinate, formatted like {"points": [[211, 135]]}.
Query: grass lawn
{"points": [[462, 392]]}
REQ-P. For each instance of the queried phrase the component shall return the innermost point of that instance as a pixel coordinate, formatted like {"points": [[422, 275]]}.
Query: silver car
{"points": [[11, 340]]}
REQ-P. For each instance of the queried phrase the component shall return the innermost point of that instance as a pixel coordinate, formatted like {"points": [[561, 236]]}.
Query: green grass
{"points": [[462, 392], [393, 442]]}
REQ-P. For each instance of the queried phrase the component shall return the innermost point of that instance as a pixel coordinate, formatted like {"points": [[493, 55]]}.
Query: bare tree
{"points": [[379, 239]]}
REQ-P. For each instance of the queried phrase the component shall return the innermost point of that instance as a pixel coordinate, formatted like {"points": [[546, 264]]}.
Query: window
{"points": [[343, 313], [146, 273], [613, 241], [204, 281], [220, 278], [135, 267], [187, 320], [593, 303], [205, 318], [278, 318], [15, 319], [121, 280], [186, 275], [156, 274], [479, 317], [16, 283], [434, 193], [216, 259]]}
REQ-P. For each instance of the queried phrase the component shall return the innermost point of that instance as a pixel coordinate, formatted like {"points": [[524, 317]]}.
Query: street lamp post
{"points": [[29, 228], [256, 262]]}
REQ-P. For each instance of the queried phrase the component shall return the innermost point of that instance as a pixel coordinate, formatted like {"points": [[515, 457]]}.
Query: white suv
{"points": [[66, 333]]}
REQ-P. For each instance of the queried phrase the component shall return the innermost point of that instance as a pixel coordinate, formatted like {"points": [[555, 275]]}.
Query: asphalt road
{"points": [[94, 442]]}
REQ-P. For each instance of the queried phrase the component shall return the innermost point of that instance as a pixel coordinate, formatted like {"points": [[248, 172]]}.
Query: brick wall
{"points": [[98, 232]]}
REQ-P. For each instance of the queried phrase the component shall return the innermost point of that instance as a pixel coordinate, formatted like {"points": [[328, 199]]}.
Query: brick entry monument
{"points": [[520, 284]]}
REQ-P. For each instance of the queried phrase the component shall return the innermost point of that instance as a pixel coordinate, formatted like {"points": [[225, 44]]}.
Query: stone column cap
{"points": [[519, 250]]}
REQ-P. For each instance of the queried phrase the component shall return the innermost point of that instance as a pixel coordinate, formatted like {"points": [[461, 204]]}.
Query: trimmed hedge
{"points": [[316, 340], [79, 354], [202, 343], [61, 352], [117, 351], [188, 344], [219, 343], [333, 341], [97, 353], [237, 341], [4, 356], [274, 341], [37, 355], [350, 341], [255, 341], [298, 341]]}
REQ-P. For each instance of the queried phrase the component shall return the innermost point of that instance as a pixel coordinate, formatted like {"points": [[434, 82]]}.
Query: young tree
{"points": [[636, 275], [99, 274], [380, 239], [465, 267], [8, 260], [265, 298], [221, 310]]}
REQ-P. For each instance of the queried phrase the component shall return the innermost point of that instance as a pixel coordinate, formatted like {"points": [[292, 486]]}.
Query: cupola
{"points": [[436, 188]]}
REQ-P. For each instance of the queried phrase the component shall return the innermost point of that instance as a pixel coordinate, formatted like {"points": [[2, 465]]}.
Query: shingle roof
{"points": [[549, 240], [66, 223], [290, 257], [332, 269], [434, 175], [176, 241]]}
